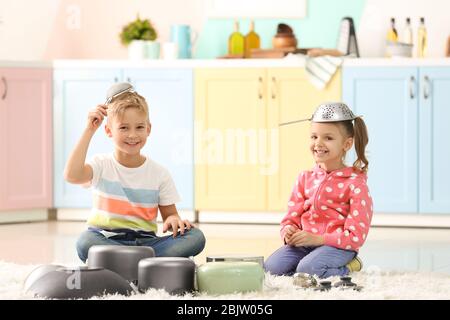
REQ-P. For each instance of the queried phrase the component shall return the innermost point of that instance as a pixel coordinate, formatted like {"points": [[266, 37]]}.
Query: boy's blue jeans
{"points": [[189, 244], [323, 261]]}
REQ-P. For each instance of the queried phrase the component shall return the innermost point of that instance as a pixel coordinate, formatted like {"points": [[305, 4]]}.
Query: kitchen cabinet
{"points": [[230, 112], [434, 153], [244, 161], [170, 99], [75, 93], [406, 110], [25, 138], [292, 97]]}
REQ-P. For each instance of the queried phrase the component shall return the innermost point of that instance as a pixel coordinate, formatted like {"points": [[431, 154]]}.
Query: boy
{"points": [[128, 187]]}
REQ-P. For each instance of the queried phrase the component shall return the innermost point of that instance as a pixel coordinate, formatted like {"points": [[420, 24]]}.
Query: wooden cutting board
{"points": [[275, 53], [267, 53]]}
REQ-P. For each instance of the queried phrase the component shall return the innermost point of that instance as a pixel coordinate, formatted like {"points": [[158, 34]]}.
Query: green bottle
{"points": [[236, 41]]}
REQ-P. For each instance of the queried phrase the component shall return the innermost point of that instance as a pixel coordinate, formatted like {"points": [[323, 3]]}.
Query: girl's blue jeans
{"points": [[323, 261], [189, 244]]}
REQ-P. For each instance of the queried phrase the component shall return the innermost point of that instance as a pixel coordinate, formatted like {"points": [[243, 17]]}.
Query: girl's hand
{"points": [[174, 223], [96, 116], [289, 231], [305, 239]]}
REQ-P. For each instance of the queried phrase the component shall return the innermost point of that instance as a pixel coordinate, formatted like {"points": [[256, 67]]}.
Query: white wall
{"points": [[25, 28], [52, 29], [376, 16]]}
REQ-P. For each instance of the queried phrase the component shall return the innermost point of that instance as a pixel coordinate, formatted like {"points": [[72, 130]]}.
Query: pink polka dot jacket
{"points": [[336, 205]]}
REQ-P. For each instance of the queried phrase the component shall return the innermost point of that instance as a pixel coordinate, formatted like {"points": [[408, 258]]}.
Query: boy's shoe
{"points": [[355, 265], [304, 280]]}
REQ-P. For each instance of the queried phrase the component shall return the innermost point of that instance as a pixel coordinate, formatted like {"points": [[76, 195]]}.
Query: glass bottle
{"points": [[252, 40], [407, 32], [392, 33], [422, 39], [236, 41]]}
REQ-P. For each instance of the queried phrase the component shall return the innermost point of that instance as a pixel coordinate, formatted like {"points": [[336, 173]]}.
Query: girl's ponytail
{"points": [[361, 139]]}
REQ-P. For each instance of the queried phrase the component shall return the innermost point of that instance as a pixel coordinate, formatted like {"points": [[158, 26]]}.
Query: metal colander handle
{"points": [[295, 121]]}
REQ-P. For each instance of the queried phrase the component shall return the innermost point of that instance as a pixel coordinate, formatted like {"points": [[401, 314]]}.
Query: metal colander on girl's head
{"points": [[329, 112], [333, 112]]}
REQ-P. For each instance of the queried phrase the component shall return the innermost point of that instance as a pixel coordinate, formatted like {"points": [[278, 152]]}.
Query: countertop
{"points": [[25, 64], [291, 62]]}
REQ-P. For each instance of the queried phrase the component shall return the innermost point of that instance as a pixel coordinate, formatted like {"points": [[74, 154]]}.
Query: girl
{"points": [[330, 209]]}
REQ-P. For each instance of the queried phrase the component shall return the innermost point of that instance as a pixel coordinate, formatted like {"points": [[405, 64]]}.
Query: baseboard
{"points": [[67, 214], [18, 216], [77, 214], [240, 217], [379, 219], [411, 220]]}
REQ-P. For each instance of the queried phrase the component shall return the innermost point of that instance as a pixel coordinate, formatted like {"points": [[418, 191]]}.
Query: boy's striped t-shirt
{"points": [[128, 198]]}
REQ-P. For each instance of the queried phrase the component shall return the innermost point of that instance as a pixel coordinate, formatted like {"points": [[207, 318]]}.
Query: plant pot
{"points": [[136, 50], [143, 49], [153, 50]]}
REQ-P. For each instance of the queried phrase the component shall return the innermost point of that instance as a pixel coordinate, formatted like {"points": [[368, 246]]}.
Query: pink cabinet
{"points": [[25, 138]]}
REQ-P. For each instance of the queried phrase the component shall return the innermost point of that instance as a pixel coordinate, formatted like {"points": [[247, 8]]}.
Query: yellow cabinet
{"points": [[230, 110], [243, 160], [292, 97]]}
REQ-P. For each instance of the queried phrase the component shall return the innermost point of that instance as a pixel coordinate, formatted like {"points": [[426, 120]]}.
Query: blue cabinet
{"points": [[434, 155], [75, 92], [407, 133], [170, 97], [383, 97]]}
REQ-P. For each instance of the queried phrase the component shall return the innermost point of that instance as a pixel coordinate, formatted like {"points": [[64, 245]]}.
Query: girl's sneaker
{"points": [[355, 265]]}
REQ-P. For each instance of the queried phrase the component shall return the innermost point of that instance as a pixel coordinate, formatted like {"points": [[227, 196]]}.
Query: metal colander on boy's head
{"points": [[117, 89], [333, 112]]}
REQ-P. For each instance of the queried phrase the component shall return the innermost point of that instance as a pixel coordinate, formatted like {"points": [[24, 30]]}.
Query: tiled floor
{"points": [[385, 249]]}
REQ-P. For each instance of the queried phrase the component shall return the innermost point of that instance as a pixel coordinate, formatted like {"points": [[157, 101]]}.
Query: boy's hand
{"points": [[305, 239], [96, 116], [174, 222]]}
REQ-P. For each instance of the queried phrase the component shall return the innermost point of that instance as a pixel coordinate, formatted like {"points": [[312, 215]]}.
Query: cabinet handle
{"points": [[274, 88], [6, 88], [426, 87], [412, 82], [116, 79], [128, 80], [260, 91]]}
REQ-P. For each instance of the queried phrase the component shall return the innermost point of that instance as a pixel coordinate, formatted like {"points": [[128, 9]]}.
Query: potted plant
{"points": [[139, 36]]}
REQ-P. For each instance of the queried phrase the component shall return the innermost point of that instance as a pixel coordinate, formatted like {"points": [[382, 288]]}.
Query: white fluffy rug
{"points": [[376, 285]]}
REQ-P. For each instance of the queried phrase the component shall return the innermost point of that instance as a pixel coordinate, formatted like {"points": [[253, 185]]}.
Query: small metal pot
{"points": [[123, 260]]}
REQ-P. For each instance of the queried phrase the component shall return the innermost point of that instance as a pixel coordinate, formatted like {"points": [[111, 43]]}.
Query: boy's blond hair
{"points": [[118, 105]]}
